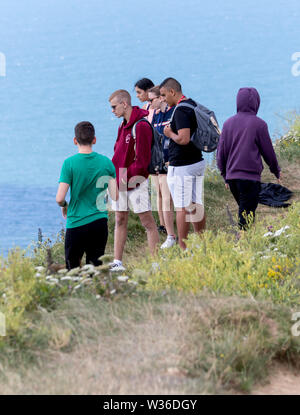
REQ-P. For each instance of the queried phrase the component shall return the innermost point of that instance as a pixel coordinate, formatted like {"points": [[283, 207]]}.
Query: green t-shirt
{"points": [[88, 176]]}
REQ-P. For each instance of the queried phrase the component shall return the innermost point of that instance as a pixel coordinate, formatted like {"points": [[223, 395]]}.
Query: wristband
{"points": [[65, 204]]}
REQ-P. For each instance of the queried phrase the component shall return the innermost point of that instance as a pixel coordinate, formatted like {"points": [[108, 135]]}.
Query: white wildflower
{"points": [[55, 280], [62, 271], [88, 267], [77, 286], [38, 274], [267, 234], [282, 230], [66, 278], [155, 266], [113, 292], [123, 278], [40, 269], [74, 271]]}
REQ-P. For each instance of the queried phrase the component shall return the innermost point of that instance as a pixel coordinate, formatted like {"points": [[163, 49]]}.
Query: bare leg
{"points": [[149, 224], [199, 226], [167, 204], [120, 235], [182, 227], [155, 180], [197, 217]]}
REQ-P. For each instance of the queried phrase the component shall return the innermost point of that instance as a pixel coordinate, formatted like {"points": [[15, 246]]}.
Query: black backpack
{"points": [[157, 163], [207, 134]]}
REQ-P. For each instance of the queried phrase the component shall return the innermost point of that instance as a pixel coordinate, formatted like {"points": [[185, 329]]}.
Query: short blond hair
{"points": [[122, 95], [155, 90]]}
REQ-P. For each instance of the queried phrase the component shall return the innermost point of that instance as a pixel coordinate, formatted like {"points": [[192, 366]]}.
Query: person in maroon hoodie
{"points": [[131, 160], [244, 140]]}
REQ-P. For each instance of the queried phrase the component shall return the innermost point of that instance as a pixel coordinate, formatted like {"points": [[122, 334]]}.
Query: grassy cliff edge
{"points": [[213, 320]]}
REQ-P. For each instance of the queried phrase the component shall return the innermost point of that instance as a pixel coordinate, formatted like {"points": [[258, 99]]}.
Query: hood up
{"points": [[248, 100]]}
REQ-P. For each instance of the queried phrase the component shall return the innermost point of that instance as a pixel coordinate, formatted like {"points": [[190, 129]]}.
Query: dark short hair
{"points": [[171, 83], [84, 133], [144, 84]]}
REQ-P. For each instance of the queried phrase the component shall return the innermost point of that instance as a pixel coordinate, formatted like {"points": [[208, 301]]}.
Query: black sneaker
{"points": [[162, 229]]}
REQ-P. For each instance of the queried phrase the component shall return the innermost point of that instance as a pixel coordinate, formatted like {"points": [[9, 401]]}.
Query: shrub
{"points": [[288, 146], [264, 263], [17, 282]]}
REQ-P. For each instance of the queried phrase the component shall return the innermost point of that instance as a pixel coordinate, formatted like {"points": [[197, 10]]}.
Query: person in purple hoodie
{"points": [[244, 140]]}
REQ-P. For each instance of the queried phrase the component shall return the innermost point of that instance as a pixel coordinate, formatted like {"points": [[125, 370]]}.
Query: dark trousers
{"points": [[246, 194], [89, 239]]}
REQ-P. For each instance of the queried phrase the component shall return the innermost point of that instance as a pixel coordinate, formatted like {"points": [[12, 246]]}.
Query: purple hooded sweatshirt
{"points": [[244, 139]]}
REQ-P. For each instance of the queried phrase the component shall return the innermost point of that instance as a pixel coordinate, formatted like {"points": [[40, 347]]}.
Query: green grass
{"points": [[233, 342], [218, 316], [288, 146]]}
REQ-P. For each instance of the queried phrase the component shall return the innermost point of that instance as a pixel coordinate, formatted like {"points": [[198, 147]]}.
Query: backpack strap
{"points": [[181, 104], [136, 123], [133, 132]]}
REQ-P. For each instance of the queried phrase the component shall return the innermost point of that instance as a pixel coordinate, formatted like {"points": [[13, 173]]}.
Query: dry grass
{"points": [[137, 346], [137, 353], [167, 344]]}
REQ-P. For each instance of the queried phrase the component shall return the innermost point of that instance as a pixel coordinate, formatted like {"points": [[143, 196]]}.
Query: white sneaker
{"points": [[169, 242], [116, 267]]}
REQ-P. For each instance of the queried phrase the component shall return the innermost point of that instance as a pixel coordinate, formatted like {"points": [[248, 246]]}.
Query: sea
{"points": [[61, 59]]}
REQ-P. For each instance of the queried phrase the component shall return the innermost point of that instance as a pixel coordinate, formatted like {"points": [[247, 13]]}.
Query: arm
{"points": [[221, 155], [266, 149], [183, 137], [60, 197]]}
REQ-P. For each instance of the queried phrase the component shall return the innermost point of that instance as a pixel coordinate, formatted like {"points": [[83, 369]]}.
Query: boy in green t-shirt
{"points": [[89, 175]]}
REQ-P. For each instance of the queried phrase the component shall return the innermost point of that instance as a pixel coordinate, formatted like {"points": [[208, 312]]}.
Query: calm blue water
{"points": [[65, 57]]}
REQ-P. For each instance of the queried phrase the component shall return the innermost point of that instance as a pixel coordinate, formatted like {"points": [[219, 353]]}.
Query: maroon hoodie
{"points": [[135, 157], [244, 140]]}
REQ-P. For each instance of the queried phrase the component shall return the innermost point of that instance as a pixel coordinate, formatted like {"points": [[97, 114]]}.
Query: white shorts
{"points": [[186, 184], [138, 199]]}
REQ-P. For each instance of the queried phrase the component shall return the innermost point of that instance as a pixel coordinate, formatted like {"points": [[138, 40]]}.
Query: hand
{"points": [[168, 131], [226, 186], [64, 211], [279, 178]]}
